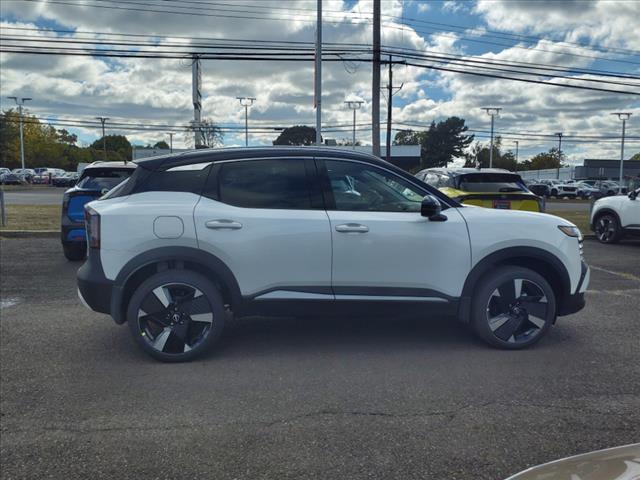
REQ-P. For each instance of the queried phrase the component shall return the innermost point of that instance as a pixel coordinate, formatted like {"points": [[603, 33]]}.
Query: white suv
{"points": [[311, 231], [613, 217]]}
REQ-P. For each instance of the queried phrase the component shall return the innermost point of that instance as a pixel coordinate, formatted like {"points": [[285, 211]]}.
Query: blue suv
{"points": [[96, 180]]}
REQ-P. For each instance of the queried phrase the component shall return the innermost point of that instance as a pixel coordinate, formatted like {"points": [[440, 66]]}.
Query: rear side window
{"points": [[491, 183], [280, 184], [190, 181]]}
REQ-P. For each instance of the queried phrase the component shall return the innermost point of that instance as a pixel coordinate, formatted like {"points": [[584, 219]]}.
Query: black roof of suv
{"points": [[164, 162]]}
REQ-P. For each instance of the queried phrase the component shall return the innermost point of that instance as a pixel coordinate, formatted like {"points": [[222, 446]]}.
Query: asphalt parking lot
{"points": [[302, 398]]}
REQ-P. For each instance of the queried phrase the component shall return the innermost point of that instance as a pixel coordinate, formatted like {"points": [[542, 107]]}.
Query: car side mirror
{"points": [[633, 195], [431, 209]]}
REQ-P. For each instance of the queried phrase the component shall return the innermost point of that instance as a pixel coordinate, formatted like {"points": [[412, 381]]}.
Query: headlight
{"points": [[571, 231]]}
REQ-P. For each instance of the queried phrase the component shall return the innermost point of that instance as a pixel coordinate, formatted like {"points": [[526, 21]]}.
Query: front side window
{"points": [[280, 184], [361, 187]]}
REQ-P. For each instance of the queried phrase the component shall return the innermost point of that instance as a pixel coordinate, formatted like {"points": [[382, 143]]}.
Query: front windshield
{"points": [[103, 178], [491, 182]]}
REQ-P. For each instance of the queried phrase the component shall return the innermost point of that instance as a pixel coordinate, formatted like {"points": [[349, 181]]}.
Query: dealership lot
{"points": [[308, 398]]}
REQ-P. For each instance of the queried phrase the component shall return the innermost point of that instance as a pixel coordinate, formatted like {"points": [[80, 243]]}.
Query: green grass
{"points": [[33, 217], [580, 218]]}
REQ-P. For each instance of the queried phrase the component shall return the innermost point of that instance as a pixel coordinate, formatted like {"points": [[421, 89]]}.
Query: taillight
{"points": [[92, 224]]}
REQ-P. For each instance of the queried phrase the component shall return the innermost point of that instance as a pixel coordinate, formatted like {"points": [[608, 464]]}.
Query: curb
{"points": [[29, 233]]}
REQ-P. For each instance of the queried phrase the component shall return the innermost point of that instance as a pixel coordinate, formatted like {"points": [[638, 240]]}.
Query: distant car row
{"points": [[41, 176], [574, 188]]}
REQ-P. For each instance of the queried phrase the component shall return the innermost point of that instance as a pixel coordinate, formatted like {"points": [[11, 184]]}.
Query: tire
{"points": [[162, 315], [75, 251], [554, 193], [508, 320], [607, 228]]}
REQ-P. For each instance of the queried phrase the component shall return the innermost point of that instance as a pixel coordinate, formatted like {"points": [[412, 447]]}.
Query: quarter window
{"points": [[361, 187], [280, 184]]}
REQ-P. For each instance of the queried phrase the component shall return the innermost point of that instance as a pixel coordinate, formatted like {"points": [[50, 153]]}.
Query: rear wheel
{"points": [[554, 193], [176, 315], [74, 251], [607, 228], [513, 308]]}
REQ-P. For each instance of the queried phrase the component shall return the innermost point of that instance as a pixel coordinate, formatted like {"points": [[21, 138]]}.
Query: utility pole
{"points": [[246, 102], [104, 138], [20, 103], [517, 145], [559, 134], [318, 74], [624, 116], [390, 93], [196, 98], [170, 142], [493, 112], [354, 105], [375, 86]]}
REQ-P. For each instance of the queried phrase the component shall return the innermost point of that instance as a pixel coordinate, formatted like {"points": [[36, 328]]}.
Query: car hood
{"points": [[619, 463]]}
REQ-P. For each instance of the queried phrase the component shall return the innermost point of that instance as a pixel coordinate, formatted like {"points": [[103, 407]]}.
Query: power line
{"points": [[191, 12], [282, 43]]}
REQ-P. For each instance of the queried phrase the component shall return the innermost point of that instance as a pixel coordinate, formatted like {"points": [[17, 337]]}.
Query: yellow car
{"points": [[489, 187]]}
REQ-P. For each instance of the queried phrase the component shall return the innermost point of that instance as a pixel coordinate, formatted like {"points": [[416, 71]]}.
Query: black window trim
{"points": [[328, 193]]}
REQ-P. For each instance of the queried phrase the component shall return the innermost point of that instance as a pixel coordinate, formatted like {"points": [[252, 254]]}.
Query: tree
{"points": [[635, 157], [297, 135], [440, 144], [479, 155], [161, 144], [544, 160], [118, 148]]}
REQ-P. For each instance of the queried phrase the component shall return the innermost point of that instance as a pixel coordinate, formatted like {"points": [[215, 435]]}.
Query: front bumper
{"points": [[94, 289], [576, 302]]}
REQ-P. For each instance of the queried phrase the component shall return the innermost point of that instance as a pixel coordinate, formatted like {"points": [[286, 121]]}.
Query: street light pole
{"points": [[517, 145], [246, 102], [493, 112], [624, 116], [170, 142], [559, 134], [354, 105], [20, 103], [104, 138]]}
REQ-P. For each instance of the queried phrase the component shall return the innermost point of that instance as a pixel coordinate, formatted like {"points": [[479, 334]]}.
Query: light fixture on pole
{"points": [[354, 105], [559, 135], [624, 116], [20, 104], [493, 112], [104, 138], [246, 102]]}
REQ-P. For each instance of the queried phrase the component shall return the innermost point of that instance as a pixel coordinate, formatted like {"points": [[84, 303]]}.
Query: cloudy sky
{"points": [[595, 35]]}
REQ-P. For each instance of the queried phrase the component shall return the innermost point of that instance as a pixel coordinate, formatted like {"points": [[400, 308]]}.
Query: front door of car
{"points": [[382, 247], [262, 219]]}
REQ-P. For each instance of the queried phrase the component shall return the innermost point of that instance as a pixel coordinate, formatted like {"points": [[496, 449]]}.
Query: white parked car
{"points": [[312, 231], [560, 189], [616, 216]]}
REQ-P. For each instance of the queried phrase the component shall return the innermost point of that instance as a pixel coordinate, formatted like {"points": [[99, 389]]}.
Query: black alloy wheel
{"points": [[607, 229], [514, 308], [176, 315]]}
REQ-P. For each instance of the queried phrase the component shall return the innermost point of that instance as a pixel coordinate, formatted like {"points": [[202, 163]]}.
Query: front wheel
{"points": [[513, 308], [75, 251], [607, 228], [176, 315]]}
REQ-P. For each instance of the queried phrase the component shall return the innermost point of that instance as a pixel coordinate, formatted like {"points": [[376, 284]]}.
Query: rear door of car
{"points": [[264, 218]]}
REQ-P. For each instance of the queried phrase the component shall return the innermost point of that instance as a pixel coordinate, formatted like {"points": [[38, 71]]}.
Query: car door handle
{"points": [[223, 224], [352, 228]]}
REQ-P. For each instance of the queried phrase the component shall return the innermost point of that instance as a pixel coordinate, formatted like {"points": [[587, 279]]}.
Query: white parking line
{"points": [[627, 276]]}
